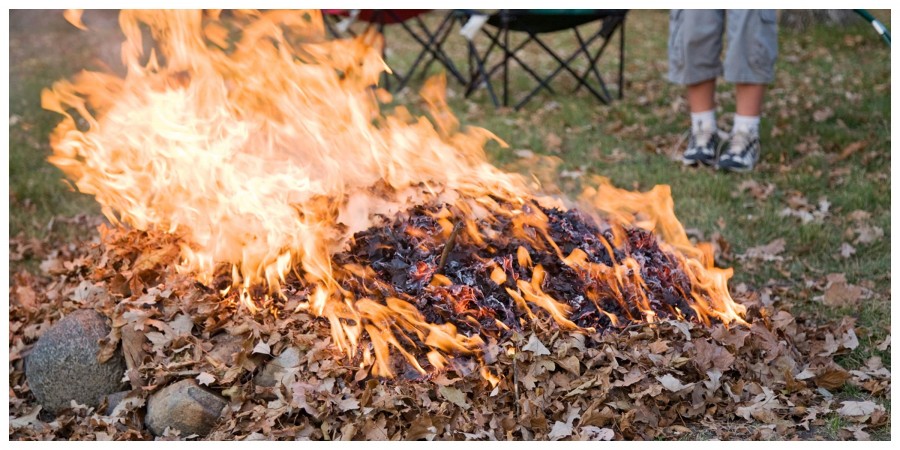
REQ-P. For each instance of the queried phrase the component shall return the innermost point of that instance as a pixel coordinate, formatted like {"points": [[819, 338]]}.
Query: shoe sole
{"points": [[695, 162], [735, 169]]}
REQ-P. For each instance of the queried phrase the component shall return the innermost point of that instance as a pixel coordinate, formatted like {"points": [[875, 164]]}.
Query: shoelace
{"points": [[739, 142], [701, 138]]}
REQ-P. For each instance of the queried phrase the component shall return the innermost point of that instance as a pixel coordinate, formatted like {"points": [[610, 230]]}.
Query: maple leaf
{"points": [[857, 409], [205, 378], [768, 252], [455, 396], [535, 346], [673, 384]]}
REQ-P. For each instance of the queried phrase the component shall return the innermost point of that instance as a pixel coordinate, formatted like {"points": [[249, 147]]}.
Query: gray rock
{"points": [[113, 400], [63, 364], [184, 406]]}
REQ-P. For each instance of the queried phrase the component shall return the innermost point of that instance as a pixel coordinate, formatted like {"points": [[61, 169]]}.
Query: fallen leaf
{"points": [[535, 346], [552, 142], [593, 433], [571, 364], [832, 378], [768, 252], [866, 234], [849, 339], [847, 250], [455, 396], [842, 294], [524, 153], [26, 420], [758, 191], [857, 409], [263, 348], [659, 347], [205, 378], [851, 149], [348, 404], [673, 384], [823, 114], [25, 296], [559, 431], [885, 343], [711, 355], [182, 324]]}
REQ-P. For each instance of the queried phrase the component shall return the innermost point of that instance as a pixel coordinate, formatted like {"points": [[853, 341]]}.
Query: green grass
{"points": [[37, 190], [630, 142]]}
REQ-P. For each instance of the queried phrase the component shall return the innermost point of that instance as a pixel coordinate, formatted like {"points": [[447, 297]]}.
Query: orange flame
{"points": [[262, 146]]}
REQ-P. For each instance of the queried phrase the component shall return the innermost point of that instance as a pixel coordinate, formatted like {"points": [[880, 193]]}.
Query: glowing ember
{"points": [[263, 148]]}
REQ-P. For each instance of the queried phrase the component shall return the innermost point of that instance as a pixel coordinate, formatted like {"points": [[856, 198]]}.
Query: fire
{"points": [[262, 146]]}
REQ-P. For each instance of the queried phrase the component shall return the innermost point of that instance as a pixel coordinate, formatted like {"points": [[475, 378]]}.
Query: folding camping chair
{"points": [[338, 23], [533, 24]]}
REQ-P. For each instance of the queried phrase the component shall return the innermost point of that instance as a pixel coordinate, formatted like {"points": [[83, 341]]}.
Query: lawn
{"points": [[809, 229]]}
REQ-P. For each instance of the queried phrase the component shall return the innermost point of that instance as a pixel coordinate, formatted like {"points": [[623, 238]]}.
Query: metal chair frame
{"points": [[480, 72]]}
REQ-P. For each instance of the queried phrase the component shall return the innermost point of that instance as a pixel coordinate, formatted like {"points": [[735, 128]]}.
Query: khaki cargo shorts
{"points": [[695, 45]]}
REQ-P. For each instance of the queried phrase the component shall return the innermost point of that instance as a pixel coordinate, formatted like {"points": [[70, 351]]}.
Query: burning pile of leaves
{"points": [[283, 378], [475, 278]]}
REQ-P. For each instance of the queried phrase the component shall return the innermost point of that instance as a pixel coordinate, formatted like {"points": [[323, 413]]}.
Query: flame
{"points": [[264, 148]]}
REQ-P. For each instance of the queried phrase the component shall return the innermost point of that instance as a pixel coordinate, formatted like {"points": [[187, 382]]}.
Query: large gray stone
{"points": [[184, 406], [63, 364]]}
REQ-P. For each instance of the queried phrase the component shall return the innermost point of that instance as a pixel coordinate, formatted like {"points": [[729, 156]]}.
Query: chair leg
{"points": [[563, 65], [512, 55], [592, 67], [592, 64], [481, 62], [506, 56], [434, 46], [622, 59], [474, 79]]}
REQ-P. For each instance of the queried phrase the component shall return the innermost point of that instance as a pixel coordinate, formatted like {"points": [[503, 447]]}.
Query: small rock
{"points": [[113, 400], [276, 368], [184, 406], [63, 364]]}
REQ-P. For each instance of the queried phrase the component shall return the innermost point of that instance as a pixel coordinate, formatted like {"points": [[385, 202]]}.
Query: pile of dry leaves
{"points": [[772, 379]]}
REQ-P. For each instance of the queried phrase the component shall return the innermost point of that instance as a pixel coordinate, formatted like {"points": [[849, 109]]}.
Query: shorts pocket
{"points": [[676, 46], [765, 44]]}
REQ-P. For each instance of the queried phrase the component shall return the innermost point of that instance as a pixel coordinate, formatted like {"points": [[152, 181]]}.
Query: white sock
{"points": [[703, 121], [746, 124]]}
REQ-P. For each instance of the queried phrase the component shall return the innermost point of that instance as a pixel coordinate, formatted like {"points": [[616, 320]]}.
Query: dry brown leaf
{"points": [[768, 252], [552, 142], [867, 234], [851, 149], [759, 191], [858, 410], [883, 346], [842, 294], [455, 396], [133, 351], [832, 378], [659, 347], [535, 346], [711, 355], [847, 250], [205, 378], [673, 384], [823, 114]]}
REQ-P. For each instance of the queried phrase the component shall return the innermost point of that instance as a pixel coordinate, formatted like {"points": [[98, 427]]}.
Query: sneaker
{"points": [[701, 148], [741, 152]]}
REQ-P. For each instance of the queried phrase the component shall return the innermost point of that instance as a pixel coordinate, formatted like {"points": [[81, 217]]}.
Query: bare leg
{"points": [[701, 96], [749, 99]]}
